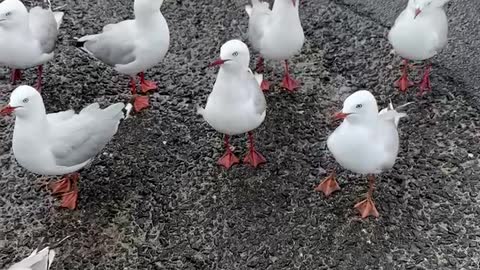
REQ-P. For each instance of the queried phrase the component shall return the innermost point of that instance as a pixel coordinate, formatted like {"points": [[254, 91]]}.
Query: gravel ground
{"points": [[154, 198]]}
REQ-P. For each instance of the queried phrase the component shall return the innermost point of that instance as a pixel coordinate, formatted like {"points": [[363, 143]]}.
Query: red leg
{"points": [[69, 199], [67, 190], [229, 158], [425, 85], [288, 82], [39, 78], [146, 85], [404, 83], [15, 75], [63, 185], [367, 206], [253, 157], [133, 86], [260, 68], [140, 102], [328, 185]]}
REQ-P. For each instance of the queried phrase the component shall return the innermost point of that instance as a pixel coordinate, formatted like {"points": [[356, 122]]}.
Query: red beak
{"points": [[340, 115], [417, 11], [217, 62], [7, 110]]}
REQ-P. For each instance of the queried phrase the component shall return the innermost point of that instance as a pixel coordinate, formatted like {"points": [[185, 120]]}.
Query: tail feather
{"points": [[200, 110], [127, 110], [258, 78], [390, 113], [58, 18], [249, 9]]}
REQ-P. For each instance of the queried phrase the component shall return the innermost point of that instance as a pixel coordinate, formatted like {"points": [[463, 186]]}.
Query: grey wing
{"points": [[44, 28], [256, 24], [259, 101], [36, 261], [84, 135], [387, 134], [114, 46]]}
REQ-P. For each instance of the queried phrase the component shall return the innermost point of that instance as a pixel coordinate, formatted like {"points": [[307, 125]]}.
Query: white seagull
{"points": [[276, 34], [60, 143], [366, 143], [419, 33], [27, 39], [236, 104], [38, 260], [133, 46]]}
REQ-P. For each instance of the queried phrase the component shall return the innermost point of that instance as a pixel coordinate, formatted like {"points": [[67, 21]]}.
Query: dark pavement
{"points": [[154, 198]]}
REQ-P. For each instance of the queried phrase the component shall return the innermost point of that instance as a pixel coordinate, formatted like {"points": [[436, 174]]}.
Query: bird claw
{"points": [[328, 185], [265, 85], [140, 103], [147, 86], [254, 158], [367, 208], [228, 159], [289, 83]]}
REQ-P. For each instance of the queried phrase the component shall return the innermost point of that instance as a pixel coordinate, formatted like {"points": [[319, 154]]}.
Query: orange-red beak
{"points": [[7, 110], [217, 62], [340, 115], [417, 11]]}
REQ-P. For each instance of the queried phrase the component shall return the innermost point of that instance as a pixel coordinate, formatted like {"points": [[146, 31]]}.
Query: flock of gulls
{"points": [[62, 143]]}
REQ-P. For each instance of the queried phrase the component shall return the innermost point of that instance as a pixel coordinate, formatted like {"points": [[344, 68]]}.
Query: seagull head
{"points": [[234, 54], [24, 101], [13, 13], [358, 107], [419, 6]]}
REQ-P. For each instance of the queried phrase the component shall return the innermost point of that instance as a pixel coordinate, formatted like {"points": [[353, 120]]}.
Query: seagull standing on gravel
{"points": [[419, 33], [133, 46], [27, 39], [38, 260], [60, 143], [237, 104], [366, 142], [276, 34]]}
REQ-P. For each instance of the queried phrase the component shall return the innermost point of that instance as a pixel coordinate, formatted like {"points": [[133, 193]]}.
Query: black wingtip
{"points": [[78, 44]]}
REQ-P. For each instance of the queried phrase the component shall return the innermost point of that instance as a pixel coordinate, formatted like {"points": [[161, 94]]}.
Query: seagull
{"points": [[236, 104], [27, 39], [38, 260], [60, 143], [277, 34], [132, 46], [366, 143], [419, 33]]}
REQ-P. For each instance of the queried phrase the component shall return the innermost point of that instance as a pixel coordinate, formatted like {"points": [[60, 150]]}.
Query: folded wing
{"points": [[114, 46], [44, 27], [78, 138]]}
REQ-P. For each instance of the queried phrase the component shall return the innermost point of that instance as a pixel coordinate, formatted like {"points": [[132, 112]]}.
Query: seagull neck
{"points": [[149, 19], [285, 9], [31, 122], [367, 120], [230, 70]]}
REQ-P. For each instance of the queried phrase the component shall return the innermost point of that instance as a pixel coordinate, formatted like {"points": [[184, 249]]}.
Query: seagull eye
{"points": [[235, 53], [25, 100], [8, 14], [359, 106]]}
